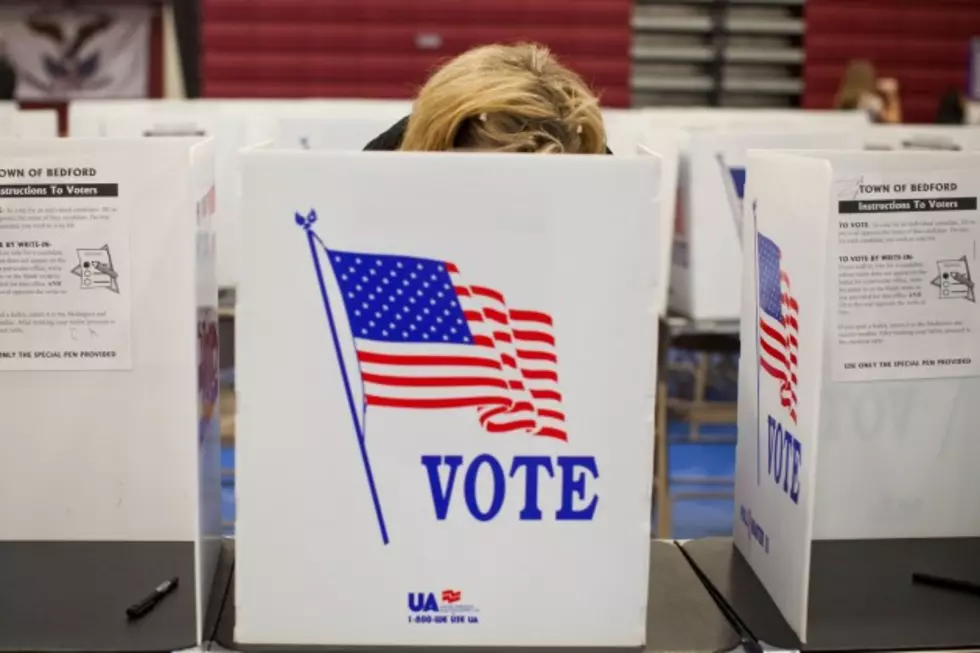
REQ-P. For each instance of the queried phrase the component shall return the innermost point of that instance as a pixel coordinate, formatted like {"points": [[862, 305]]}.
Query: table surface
{"points": [[681, 614], [72, 596], [861, 594]]}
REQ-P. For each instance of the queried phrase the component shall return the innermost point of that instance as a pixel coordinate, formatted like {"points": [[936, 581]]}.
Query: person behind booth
{"points": [[952, 108], [861, 88], [8, 77], [501, 98]]}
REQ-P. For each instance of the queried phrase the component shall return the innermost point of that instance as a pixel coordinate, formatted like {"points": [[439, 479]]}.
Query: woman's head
{"points": [[951, 108], [506, 98], [859, 79]]}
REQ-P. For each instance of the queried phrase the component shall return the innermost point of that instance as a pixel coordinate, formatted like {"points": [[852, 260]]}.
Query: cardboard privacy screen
{"points": [[859, 334], [466, 366], [187, 119], [922, 137], [629, 133], [350, 134], [110, 472], [706, 247], [34, 123], [235, 124]]}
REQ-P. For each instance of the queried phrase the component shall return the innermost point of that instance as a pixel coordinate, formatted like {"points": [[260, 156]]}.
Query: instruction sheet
{"points": [[906, 267], [65, 288]]}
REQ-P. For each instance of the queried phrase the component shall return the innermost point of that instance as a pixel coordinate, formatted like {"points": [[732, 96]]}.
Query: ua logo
{"points": [[422, 602]]}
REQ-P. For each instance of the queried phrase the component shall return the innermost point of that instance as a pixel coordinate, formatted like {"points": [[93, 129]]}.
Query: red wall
{"points": [[923, 44], [387, 48]]}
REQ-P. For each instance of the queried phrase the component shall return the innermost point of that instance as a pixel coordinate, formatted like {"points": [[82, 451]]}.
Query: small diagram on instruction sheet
{"points": [[95, 269], [954, 280]]}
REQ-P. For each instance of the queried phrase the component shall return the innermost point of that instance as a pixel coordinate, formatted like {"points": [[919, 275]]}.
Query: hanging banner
{"points": [[69, 53]]}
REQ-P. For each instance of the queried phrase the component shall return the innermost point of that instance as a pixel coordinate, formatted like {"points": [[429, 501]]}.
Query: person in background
{"points": [[861, 88], [501, 98], [8, 76], [952, 108]]}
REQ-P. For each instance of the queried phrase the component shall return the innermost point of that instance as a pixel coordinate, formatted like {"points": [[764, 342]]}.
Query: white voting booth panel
{"points": [[340, 133], [705, 117], [88, 118], [265, 116], [859, 333], [706, 257], [233, 124], [467, 367], [34, 123], [176, 118], [109, 360], [922, 137], [629, 133]]}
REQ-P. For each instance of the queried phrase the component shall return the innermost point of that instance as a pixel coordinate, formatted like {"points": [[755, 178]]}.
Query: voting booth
{"points": [[340, 124], [467, 367], [700, 117], [350, 134], [706, 255], [629, 133], [34, 123], [110, 473], [174, 118], [942, 138], [234, 124], [856, 462]]}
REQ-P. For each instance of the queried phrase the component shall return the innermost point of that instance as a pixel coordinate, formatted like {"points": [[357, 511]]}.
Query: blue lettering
{"points": [[775, 452], [572, 486], [788, 441], [422, 602], [754, 528], [531, 465], [785, 459], [794, 490], [499, 487], [577, 503], [440, 497]]}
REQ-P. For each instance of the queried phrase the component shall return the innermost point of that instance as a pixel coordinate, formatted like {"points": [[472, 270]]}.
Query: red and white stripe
{"points": [[510, 376], [779, 344]]}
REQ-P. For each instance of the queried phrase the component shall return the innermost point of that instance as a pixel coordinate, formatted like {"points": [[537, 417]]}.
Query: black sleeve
{"points": [[8, 80], [391, 140]]}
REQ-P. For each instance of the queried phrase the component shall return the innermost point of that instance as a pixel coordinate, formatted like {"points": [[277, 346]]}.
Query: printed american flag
{"points": [[427, 340], [778, 323]]}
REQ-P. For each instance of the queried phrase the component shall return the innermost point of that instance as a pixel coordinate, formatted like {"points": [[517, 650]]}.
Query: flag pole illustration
{"points": [[307, 222], [758, 355], [425, 340]]}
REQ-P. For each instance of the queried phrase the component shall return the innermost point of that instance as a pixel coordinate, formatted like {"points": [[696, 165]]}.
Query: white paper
{"points": [[906, 273], [65, 295]]}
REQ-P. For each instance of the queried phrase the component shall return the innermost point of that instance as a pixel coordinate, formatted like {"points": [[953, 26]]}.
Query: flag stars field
{"points": [[461, 344]]}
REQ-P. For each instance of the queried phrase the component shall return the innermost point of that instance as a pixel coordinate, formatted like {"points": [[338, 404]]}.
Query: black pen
{"points": [[943, 582], [138, 610]]}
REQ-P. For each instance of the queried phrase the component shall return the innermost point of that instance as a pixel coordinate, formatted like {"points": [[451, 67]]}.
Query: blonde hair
{"points": [[858, 81], [506, 98]]}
